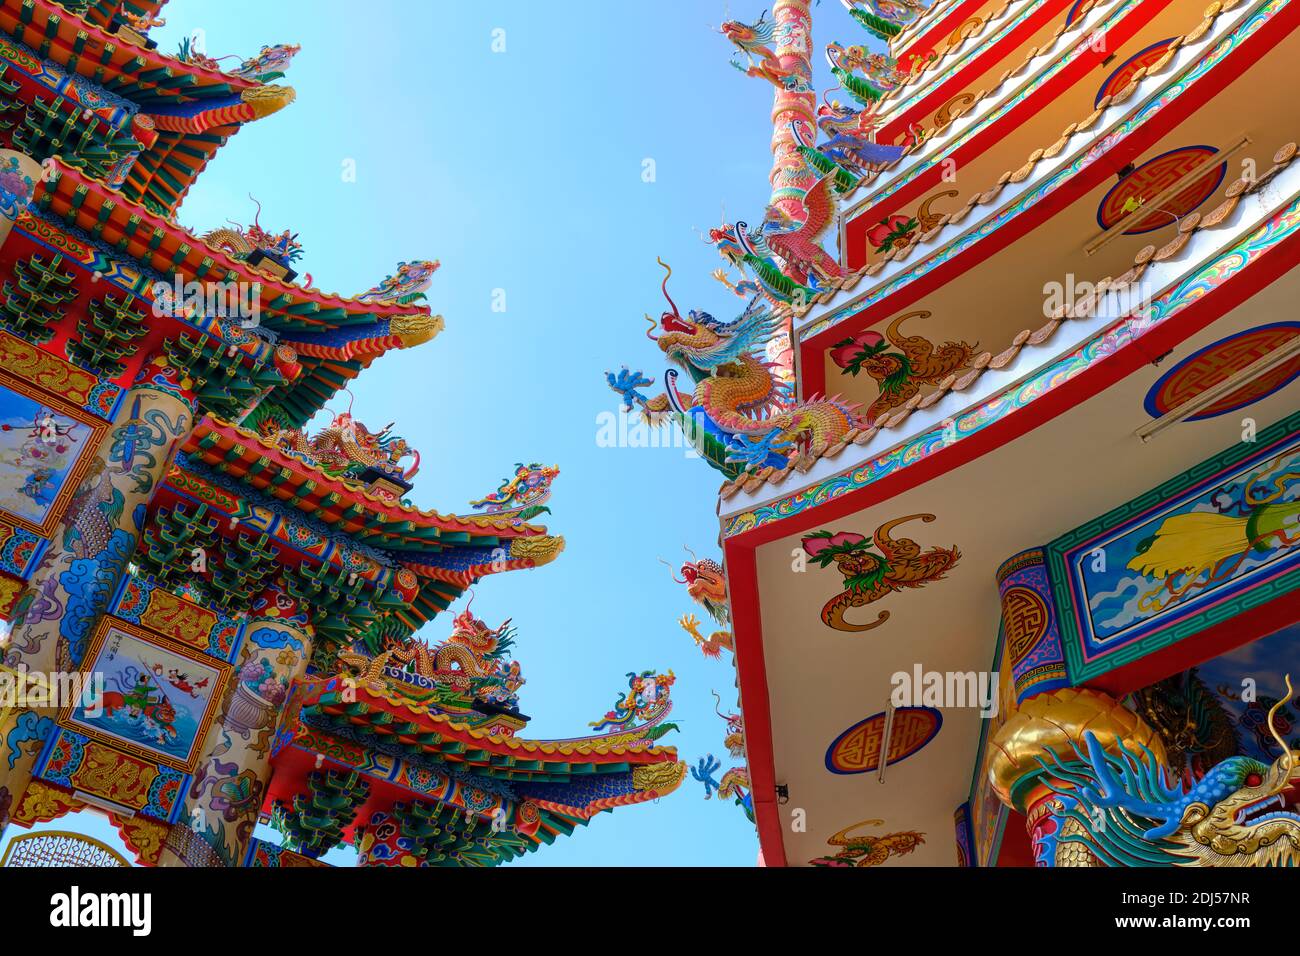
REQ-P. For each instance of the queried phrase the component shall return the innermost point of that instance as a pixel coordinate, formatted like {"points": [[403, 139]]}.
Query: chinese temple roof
{"points": [[194, 107], [341, 503], [334, 336], [447, 554]]}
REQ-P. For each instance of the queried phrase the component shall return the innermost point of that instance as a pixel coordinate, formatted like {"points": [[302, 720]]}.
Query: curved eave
{"points": [[920, 37], [970, 57], [343, 505], [144, 76], [1216, 52], [105, 213], [982, 123], [403, 722]]}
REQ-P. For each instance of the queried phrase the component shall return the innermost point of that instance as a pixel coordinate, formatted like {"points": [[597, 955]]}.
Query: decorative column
{"points": [[229, 786], [79, 573], [791, 177], [1033, 640], [1051, 727], [19, 174]]}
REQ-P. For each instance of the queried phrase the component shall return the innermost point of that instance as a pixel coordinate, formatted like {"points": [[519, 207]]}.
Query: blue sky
{"points": [[523, 171]]}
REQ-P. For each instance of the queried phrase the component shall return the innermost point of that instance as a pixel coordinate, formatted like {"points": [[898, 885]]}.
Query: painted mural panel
{"points": [[42, 453], [159, 696], [1185, 554]]}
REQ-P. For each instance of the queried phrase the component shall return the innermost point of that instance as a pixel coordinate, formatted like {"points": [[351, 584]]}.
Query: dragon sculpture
{"points": [[734, 783], [408, 285], [756, 40], [473, 661], [749, 252], [851, 138], [269, 64], [638, 714], [738, 409], [880, 73], [1129, 809], [868, 576], [520, 496], [345, 447], [241, 242], [884, 19], [869, 850], [900, 375], [1197, 730], [706, 583], [798, 243]]}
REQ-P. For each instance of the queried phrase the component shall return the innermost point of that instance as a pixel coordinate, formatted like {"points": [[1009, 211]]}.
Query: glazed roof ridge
{"points": [[267, 281], [152, 59], [750, 482], [251, 439], [989, 196], [1015, 72]]}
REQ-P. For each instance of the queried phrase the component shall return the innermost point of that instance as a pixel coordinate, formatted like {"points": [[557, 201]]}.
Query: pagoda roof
{"points": [[381, 717], [335, 336], [343, 504], [194, 109], [147, 77]]}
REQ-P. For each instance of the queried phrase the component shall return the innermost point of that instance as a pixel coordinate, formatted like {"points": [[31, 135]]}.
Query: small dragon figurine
{"points": [[521, 496], [738, 410]]}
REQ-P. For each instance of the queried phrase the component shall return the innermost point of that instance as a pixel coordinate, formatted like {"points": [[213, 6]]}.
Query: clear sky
{"points": [[523, 171]]}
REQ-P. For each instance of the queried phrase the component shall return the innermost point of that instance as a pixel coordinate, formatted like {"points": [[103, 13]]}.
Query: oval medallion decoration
{"points": [[1220, 361], [1151, 179], [857, 750], [1126, 70]]}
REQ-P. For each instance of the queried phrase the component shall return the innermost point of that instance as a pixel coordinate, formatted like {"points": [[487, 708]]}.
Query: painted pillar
{"points": [[791, 177], [19, 174], [1033, 640], [229, 787], [71, 588]]}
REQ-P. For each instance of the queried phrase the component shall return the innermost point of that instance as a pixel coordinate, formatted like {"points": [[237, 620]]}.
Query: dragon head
{"points": [[748, 36], [700, 343], [1244, 812], [706, 582], [1250, 814]]}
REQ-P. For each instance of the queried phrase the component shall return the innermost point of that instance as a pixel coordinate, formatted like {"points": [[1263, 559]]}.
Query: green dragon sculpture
{"points": [[1120, 809]]}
